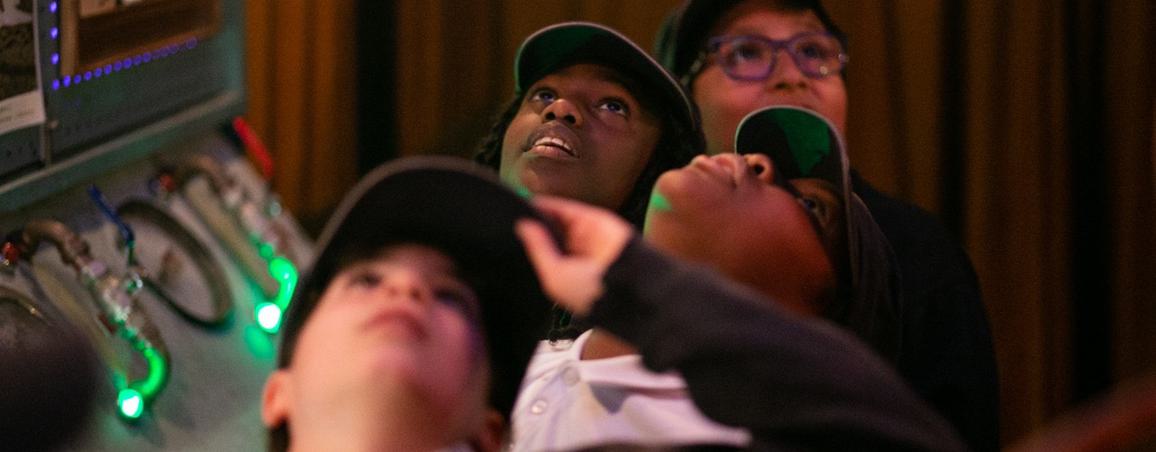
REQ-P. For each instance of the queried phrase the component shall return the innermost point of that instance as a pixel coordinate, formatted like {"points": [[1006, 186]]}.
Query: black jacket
{"points": [[795, 383], [946, 353]]}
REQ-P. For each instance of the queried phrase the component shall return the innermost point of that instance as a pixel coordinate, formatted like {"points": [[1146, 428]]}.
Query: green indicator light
{"points": [[266, 250], [284, 272], [269, 317], [131, 403], [158, 373]]}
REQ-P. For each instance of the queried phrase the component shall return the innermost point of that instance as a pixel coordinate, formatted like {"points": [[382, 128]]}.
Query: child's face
{"points": [[719, 211], [400, 323], [580, 134], [724, 102]]}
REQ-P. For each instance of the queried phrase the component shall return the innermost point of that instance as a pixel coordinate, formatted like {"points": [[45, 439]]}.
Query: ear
{"points": [[493, 433], [275, 399]]}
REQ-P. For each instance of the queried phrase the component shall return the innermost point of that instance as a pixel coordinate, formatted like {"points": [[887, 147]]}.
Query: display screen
{"points": [[99, 32]]}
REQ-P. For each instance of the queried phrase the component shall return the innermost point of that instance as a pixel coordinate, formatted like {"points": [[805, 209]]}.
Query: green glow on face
{"points": [[659, 202], [130, 402], [269, 317], [523, 192]]}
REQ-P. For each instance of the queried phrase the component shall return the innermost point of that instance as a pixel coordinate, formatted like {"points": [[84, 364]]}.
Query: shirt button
{"points": [[570, 376], [539, 406]]}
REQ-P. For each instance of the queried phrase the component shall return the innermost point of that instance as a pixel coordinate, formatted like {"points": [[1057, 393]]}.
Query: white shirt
{"points": [[566, 403]]}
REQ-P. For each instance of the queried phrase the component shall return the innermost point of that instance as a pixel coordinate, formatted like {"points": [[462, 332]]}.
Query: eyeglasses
{"points": [[753, 58]]}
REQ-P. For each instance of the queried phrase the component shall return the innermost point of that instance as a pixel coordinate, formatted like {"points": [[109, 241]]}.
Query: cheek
{"points": [[834, 106], [515, 137], [460, 347], [722, 105]]}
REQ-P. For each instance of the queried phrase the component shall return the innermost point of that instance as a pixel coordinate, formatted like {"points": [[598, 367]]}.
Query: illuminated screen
{"points": [[99, 32]]}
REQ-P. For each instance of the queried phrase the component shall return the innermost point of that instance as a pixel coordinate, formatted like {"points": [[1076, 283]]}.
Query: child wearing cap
{"points": [[593, 118], [736, 56], [738, 215], [413, 327], [770, 378]]}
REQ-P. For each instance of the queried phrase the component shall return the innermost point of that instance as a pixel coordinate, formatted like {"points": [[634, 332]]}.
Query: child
{"points": [[594, 118], [414, 325], [737, 56], [739, 215]]}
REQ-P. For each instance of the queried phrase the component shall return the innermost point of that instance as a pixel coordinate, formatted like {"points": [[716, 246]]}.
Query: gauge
{"points": [[177, 267]]}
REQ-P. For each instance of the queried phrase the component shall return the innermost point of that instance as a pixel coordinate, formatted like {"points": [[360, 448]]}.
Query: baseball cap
{"points": [[559, 45], [803, 144], [684, 32], [462, 210]]}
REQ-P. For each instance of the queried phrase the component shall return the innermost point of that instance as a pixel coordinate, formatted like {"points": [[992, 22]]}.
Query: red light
{"points": [[254, 146]]}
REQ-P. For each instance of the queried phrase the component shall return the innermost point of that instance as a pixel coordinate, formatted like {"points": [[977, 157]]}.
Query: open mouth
{"points": [[553, 140]]}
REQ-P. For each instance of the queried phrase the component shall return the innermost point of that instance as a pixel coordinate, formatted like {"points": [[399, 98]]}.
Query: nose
{"points": [[786, 74], [762, 166], [562, 110], [407, 285]]}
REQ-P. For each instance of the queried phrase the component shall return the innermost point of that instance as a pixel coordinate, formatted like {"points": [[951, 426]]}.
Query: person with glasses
{"points": [[737, 56]]}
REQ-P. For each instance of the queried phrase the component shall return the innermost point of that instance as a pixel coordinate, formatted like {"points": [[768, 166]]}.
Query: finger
{"points": [[539, 245]]}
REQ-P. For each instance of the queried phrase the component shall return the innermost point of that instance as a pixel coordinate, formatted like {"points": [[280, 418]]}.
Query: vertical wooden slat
{"points": [[291, 46], [259, 66], [332, 149]]}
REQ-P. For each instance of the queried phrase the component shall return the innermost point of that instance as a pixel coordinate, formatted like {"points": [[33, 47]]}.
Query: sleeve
{"points": [[794, 382]]}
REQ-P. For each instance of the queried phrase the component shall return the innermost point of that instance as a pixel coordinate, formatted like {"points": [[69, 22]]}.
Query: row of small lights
{"points": [[108, 69]]}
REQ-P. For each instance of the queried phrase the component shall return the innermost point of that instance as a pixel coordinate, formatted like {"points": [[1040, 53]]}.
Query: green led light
{"points": [[270, 314], [133, 397], [131, 403], [269, 317], [158, 373], [284, 272], [266, 250]]}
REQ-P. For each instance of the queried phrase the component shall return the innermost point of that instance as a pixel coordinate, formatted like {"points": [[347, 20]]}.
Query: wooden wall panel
{"points": [[301, 77]]}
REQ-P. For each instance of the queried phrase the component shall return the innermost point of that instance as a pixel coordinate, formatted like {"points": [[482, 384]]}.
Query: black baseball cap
{"points": [[461, 209], [559, 45], [803, 144], [684, 32]]}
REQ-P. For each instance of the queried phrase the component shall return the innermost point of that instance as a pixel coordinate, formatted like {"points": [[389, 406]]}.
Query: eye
{"points": [[461, 298], [615, 106], [364, 279], [813, 51], [742, 51], [816, 209], [545, 96], [747, 50]]}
